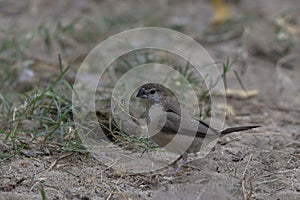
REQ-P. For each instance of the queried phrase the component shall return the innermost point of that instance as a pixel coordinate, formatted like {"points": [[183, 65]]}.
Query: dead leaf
{"points": [[241, 94], [221, 12]]}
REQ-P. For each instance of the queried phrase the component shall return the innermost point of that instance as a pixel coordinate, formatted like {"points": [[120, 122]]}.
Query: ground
{"points": [[257, 164]]}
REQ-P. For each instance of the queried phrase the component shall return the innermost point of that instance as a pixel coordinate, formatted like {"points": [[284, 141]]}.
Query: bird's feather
{"points": [[188, 125], [236, 129]]}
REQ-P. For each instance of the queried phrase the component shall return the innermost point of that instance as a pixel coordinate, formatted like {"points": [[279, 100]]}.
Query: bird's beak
{"points": [[142, 94]]}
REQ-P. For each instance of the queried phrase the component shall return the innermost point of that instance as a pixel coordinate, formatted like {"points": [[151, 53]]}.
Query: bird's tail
{"points": [[236, 129]]}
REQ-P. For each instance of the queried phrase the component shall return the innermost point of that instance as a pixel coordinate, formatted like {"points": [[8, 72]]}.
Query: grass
{"points": [[42, 192], [136, 58], [49, 109], [40, 119]]}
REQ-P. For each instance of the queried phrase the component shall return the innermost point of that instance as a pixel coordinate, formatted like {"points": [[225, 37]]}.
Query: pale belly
{"points": [[178, 143]]}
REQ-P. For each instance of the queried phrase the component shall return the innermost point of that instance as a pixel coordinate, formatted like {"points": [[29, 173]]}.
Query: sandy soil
{"points": [[259, 164]]}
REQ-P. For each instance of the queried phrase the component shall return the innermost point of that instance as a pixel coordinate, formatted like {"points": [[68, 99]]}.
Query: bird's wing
{"points": [[187, 125]]}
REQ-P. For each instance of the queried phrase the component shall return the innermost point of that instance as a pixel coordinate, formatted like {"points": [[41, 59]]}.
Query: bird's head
{"points": [[153, 92]]}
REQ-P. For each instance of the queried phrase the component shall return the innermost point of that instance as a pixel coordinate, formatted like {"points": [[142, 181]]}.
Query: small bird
{"points": [[180, 133]]}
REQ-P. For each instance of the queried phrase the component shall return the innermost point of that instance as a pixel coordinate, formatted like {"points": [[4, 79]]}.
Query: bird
{"points": [[180, 133]]}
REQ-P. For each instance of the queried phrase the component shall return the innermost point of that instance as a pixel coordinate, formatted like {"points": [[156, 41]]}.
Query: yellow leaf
{"points": [[221, 12]]}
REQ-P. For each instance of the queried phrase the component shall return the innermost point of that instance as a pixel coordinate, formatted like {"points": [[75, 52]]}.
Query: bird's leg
{"points": [[184, 157], [176, 161], [181, 161]]}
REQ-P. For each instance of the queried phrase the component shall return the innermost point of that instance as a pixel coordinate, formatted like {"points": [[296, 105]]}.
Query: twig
{"points": [[108, 167], [123, 109], [267, 181], [280, 172], [54, 163], [109, 196], [246, 195]]}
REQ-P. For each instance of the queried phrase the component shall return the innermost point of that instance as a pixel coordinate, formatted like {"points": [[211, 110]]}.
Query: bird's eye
{"points": [[152, 92]]}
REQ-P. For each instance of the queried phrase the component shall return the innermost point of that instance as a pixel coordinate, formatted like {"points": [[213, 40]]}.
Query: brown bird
{"points": [[180, 133]]}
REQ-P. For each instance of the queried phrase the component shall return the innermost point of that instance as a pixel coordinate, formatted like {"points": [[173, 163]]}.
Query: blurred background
{"points": [[254, 43], [255, 35]]}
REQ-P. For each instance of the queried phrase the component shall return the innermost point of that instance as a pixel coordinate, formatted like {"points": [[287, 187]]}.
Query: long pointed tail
{"points": [[236, 129]]}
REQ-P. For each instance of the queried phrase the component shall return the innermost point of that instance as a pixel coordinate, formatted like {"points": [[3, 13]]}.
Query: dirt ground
{"points": [[258, 164]]}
